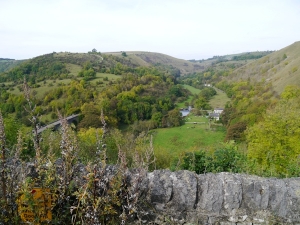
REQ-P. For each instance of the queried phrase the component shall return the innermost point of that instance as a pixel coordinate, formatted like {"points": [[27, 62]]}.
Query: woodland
{"points": [[125, 101]]}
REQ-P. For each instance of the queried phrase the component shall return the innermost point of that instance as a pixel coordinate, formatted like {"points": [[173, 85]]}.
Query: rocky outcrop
{"points": [[184, 197]]}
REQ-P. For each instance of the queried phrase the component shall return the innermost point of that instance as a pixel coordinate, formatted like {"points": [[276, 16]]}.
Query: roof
{"points": [[214, 115]]}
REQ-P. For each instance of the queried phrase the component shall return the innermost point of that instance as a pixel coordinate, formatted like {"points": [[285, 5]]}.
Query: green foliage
{"points": [[201, 101], [102, 195], [290, 92], [227, 158], [294, 69], [87, 142], [284, 56], [176, 91], [7, 64], [87, 72], [174, 118], [12, 127], [236, 132], [195, 161], [248, 104], [157, 119], [139, 93], [208, 92], [273, 143], [35, 70], [248, 56]]}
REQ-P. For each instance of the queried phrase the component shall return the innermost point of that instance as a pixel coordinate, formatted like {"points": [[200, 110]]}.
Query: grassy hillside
{"points": [[189, 66], [152, 58], [232, 61], [219, 100], [281, 68]]}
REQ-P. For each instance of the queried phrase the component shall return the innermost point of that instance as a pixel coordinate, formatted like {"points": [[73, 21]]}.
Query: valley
{"points": [[116, 122], [142, 93]]}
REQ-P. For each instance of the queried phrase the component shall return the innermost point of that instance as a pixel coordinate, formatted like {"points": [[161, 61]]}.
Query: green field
{"points": [[193, 91], [169, 143], [100, 76], [219, 100]]}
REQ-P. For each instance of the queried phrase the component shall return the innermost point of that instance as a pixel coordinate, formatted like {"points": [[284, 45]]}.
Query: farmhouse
{"points": [[216, 114], [218, 110]]}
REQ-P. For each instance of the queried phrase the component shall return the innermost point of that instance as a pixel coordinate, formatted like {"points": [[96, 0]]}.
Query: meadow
{"points": [[219, 100], [197, 133]]}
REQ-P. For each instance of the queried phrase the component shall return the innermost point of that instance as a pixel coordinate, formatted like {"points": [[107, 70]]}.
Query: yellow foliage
{"points": [[89, 135], [274, 143]]}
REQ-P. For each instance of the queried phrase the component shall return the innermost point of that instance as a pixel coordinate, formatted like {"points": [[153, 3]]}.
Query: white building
{"points": [[218, 110]]}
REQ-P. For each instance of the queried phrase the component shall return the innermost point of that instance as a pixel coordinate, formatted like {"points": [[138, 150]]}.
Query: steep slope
{"points": [[281, 68], [152, 58]]}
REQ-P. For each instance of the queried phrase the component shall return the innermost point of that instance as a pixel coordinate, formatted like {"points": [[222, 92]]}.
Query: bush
{"points": [[225, 159]]}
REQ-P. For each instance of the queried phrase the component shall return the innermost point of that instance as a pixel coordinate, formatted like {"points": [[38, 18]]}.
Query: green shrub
{"points": [[225, 159]]}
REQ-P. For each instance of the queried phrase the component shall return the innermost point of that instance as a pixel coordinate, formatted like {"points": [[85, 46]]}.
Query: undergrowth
{"points": [[70, 192]]}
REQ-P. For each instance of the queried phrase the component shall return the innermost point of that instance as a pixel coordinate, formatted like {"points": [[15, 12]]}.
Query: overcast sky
{"points": [[187, 29]]}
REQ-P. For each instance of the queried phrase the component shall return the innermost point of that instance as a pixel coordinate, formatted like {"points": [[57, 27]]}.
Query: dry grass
{"points": [[274, 68], [148, 58], [74, 69], [219, 100]]}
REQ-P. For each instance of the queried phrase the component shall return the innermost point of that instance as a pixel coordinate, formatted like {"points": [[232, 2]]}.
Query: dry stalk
{"points": [[69, 148], [33, 118], [3, 158]]}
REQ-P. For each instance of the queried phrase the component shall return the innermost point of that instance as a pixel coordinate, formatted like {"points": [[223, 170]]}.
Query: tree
{"points": [[236, 132], [156, 118], [201, 103], [174, 118], [273, 144], [87, 139]]}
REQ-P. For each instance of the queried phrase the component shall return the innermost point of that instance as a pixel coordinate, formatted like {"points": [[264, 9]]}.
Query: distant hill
{"points": [[281, 67], [132, 59], [67, 64], [7, 64], [189, 66], [155, 59], [232, 61]]}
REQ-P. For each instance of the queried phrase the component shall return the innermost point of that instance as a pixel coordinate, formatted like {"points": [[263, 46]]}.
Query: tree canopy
{"points": [[274, 142]]}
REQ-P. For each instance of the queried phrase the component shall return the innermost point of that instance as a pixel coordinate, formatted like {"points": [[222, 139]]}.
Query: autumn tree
{"points": [[174, 118], [273, 144]]}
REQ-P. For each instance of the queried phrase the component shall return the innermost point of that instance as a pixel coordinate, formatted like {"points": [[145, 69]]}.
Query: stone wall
{"points": [[184, 197]]}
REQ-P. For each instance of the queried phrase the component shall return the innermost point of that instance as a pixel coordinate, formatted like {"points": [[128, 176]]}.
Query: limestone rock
{"points": [[184, 197]]}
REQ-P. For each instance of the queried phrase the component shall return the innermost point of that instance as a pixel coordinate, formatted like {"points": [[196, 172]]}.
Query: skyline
{"points": [[193, 29]]}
